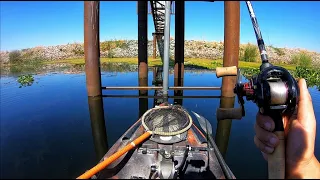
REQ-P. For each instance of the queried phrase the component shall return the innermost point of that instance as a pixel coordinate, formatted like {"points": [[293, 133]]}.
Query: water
{"points": [[46, 130]]}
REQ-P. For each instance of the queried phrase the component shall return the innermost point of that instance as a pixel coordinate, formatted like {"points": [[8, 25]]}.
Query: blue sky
{"points": [[283, 24]]}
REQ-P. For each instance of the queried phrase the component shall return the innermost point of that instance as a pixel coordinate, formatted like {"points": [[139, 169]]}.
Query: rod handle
{"points": [[229, 113], [226, 71], [276, 160]]}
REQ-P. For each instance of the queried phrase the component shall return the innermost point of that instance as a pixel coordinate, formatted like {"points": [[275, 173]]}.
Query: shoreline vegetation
{"points": [[120, 54]]}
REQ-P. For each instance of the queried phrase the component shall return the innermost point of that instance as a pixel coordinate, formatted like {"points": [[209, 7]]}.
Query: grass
{"points": [[312, 75], [205, 63], [278, 51]]}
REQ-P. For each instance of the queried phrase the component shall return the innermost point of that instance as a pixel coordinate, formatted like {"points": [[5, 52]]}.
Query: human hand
{"points": [[300, 134]]}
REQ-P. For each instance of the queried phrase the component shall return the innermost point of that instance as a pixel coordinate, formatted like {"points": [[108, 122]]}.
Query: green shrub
{"points": [[110, 54], [302, 59], [109, 45], [249, 53], [106, 46], [279, 51], [15, 57], [121, 44], [27, 55], [78, 50]]}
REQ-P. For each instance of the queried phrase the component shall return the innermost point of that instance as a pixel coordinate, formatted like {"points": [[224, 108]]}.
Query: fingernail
{"points": [[267, 125], [273, 141], [268, 149]]}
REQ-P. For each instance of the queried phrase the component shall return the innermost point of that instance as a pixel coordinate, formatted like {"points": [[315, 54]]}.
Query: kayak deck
{"points": [[188, 158]]}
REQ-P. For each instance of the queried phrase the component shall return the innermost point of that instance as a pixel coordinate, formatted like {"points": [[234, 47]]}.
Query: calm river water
{"points": [[46, 129]]}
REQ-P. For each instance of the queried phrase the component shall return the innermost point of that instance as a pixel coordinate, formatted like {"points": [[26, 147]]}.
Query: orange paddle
{"points": [[114, 157]]}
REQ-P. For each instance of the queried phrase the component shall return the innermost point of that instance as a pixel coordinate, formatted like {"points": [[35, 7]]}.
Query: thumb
{"points": [[305, 114]]}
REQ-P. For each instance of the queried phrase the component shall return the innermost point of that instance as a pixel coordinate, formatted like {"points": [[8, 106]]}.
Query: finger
{"points": [[262, 147], [305, 108], [265, 122], [265, 156], [268, 138], [288, 119]]}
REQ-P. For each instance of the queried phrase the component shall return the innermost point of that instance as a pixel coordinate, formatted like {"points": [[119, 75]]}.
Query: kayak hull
{"points": [[147, 160]]}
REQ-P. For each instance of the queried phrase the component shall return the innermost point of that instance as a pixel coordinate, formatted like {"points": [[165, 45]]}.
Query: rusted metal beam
{"points": [[92, 47], [158, 88], [143, 54], [143, 40], [179, 48], [230, 58], [154, 53], [231, 44]]}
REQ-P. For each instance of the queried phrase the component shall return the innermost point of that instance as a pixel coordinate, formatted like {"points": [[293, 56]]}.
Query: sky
{"points": [[291, 24]]}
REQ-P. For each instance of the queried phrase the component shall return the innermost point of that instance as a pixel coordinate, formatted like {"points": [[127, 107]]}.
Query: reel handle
{"points": [[276, 160]]}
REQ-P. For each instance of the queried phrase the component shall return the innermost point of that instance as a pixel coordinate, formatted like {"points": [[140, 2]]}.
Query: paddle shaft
{"points": [[207, 128], [224, 166], [114, 157]]}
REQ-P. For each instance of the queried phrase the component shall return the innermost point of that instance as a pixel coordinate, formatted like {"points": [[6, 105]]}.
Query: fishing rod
{"points": [[275, 92], [262, 48]]}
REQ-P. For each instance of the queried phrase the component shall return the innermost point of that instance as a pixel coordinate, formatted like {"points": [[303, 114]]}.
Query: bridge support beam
{"points": [[143, 53], [156, 38], [93, 76], [230, 58], [92, 47], [179, 48], [154, 53]]}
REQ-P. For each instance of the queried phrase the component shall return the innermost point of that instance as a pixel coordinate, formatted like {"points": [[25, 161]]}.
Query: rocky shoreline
{"points": [[129, 48]]}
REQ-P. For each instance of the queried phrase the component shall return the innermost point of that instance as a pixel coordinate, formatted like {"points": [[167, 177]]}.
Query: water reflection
{"points": [[143, 102], [178, 93], [98, 127], [224, 126], [157, 81]]}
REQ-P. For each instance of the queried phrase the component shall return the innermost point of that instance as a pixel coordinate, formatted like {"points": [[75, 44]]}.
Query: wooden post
{"points": [[179, 48], [230, 58]]}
